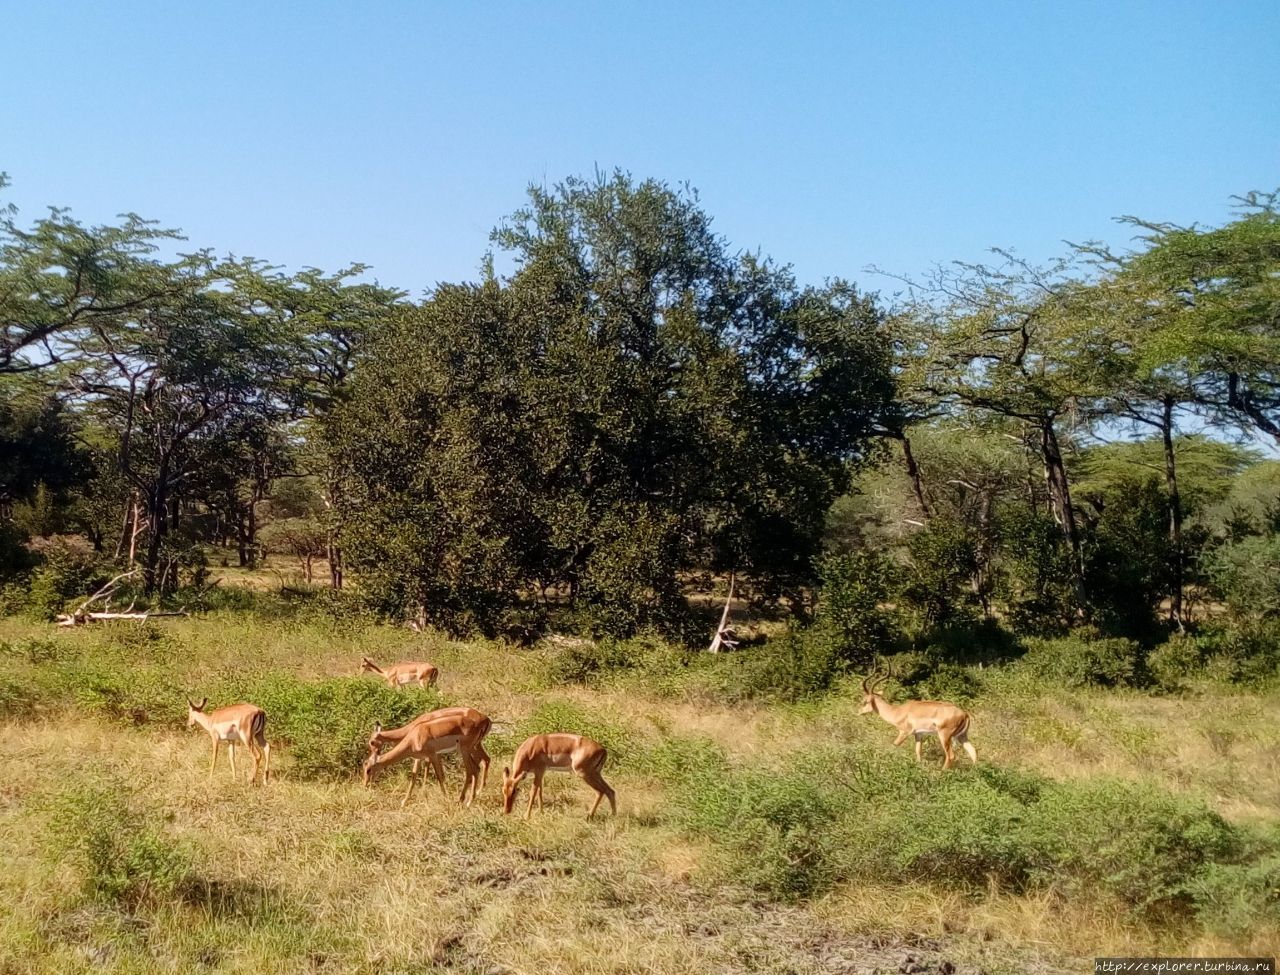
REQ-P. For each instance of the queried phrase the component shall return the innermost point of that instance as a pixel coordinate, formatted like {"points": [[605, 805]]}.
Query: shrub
{"points": [[1077, 661], [558, 715], [326, 724], [1232, 899], [68, 566], [774, 830], [17, 700], [1246, 574], [581, 661], [804, 662], [1144, 847], [121, 855], [852, 623], [948, 682], [1180, 657]]}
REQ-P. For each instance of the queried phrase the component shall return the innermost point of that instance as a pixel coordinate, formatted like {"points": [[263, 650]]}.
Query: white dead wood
{"points": [[82, 613], [725, 637]]}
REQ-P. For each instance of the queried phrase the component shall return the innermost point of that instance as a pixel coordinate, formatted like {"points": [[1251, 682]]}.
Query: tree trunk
{"points": [[913, 472], [126, 530], [1064, 511], [1175, 513], [251, 535], [242, 540], [156, 517]]}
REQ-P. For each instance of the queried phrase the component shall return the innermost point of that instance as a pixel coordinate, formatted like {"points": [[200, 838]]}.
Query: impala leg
{"points": [[213, 764], [438, 766], [256, 754], [533, 794], [413, 778], [468, 778], [902, 736], [917, 749], [945, 740], [231, 754], [266, 758], [602, 791]]}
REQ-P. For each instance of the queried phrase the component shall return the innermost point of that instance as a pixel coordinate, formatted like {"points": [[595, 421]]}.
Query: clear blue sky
{"points": [[829, 135]]}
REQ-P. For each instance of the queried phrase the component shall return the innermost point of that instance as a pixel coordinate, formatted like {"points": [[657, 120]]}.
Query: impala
{"points": [[235, 724], [405, 672], [389, 736], [430, 736], [920, 719], [557, 753]]}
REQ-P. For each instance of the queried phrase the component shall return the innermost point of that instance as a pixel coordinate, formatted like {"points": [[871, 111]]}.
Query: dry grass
{"points": [[309, 876]]}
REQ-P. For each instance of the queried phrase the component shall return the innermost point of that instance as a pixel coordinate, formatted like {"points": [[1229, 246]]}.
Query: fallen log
{"points": [[82, 614]]}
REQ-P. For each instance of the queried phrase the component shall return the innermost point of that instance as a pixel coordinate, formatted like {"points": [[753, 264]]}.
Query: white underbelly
{"points": [[925, 732], [443, 746]]}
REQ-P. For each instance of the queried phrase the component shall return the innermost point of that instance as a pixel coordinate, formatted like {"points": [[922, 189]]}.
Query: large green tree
{"points": [[634, 401]]}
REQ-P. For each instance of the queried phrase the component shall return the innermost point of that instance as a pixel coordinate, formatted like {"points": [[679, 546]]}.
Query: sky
{"points": [[833, 136]]}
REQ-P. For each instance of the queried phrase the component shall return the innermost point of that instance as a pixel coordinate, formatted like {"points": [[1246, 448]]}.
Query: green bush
{"points": [[1077, 661], [558, 715], [121, 855], [1178, 658], [1232, 899], [774, 831], [1246, 574], [581, 661], [863, 812], [1143, 847], [68, 566], [17, 699], [325, 724], [853, 625], [951, 683]]}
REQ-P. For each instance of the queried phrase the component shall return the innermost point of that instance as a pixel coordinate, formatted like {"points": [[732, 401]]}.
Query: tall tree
{"points": [[632, 401]]}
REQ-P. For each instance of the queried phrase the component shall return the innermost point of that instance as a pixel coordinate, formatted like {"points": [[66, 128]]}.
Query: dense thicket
{"points": [[636, 407]]}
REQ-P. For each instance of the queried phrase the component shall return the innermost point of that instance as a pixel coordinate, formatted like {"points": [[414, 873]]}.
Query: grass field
{"points": [[120, 854]]}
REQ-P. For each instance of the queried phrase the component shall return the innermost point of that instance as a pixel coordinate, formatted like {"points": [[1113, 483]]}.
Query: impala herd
{"points": [[462, 730]]}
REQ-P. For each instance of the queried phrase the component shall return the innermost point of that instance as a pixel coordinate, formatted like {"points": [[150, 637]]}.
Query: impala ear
{"points": [[506, 772], [200, 706], [377, 727]]}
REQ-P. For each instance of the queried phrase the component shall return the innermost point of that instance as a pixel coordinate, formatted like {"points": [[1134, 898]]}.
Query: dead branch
{"points": [[81, 614], [725, 637]]}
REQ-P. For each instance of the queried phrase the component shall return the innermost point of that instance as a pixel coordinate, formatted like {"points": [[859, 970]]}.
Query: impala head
{"points": [[870, 686], [193, 709], [367, 666], [369, 768], [509, 784]]}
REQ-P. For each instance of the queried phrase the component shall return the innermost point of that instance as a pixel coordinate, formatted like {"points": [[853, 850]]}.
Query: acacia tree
{"points": [[633, 401], [330, 320], [989, 340], [169, 374], [59, 279], [1188, 322]]}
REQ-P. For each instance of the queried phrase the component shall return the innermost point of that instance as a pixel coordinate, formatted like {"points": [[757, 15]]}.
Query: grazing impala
{"points": [[235, 724], [557, 753], [430, 736], [920, 719], [389, 736], [406, 672]]}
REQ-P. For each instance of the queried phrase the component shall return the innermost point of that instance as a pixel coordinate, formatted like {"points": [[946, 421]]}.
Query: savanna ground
{"points": [[749, 837]]}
